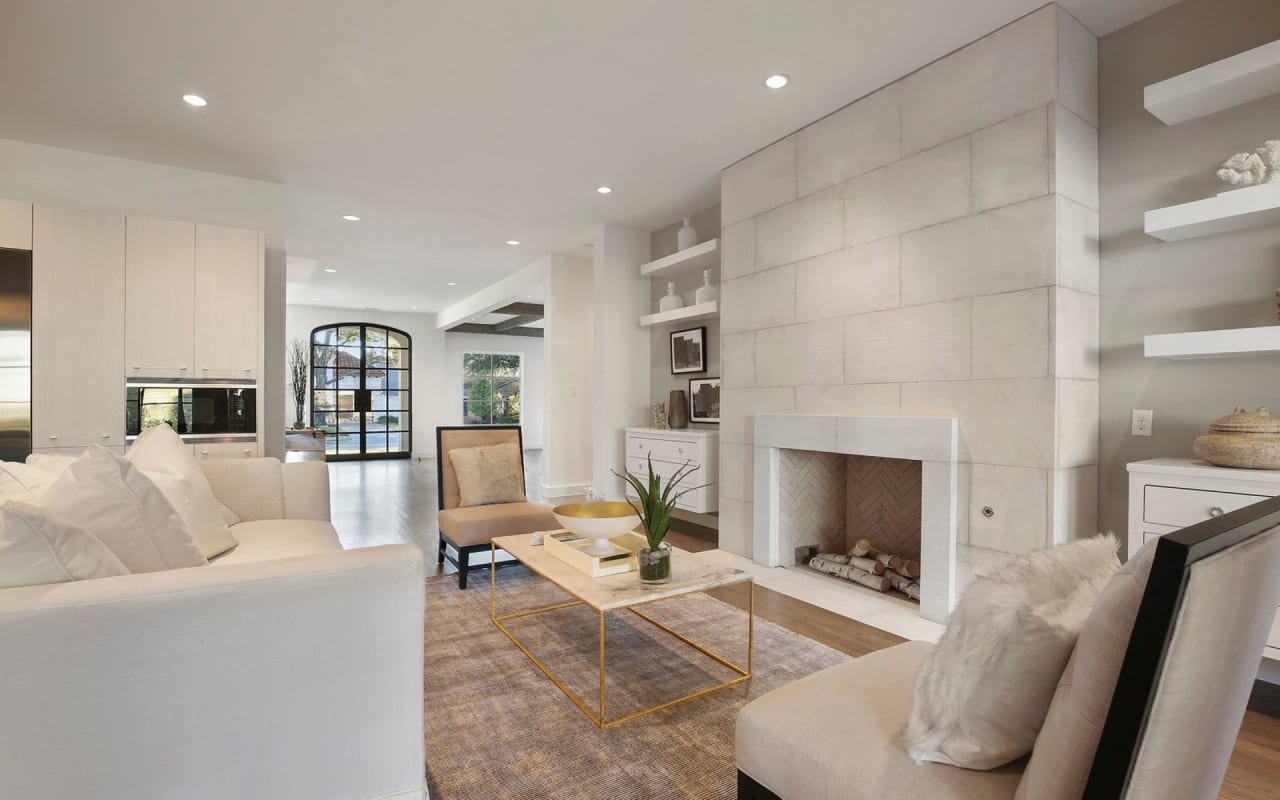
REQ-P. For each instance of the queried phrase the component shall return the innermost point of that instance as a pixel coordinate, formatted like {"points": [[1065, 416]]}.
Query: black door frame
{"points": [[363, 393]]}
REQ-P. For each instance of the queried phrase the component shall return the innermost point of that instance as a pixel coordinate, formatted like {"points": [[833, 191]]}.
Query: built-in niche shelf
{"points": [[700, 256], [1215, 87], [686, 314], [1230, 211], [1214, 344]]}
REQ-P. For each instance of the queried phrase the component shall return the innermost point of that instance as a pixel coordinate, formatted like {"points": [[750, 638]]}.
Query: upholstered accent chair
{"points": [[1149, 706], [469, 530]]}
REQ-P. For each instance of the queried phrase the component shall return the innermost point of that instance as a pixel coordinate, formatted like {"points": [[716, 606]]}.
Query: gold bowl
{"points": [[600, 521]]}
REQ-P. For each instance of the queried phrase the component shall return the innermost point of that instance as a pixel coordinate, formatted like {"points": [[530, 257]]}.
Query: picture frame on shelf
{"points": [[689, 351], [704, 400]]}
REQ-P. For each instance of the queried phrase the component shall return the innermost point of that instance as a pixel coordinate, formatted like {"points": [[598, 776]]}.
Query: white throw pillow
{"points": [[983, 694], [37, 547], [115, 502], [167, 460], [23, 482]]}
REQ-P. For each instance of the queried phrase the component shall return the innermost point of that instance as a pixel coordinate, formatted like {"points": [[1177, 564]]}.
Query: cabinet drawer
{"points": [[1166, 505], [81, 440], [226, 450], [662, 450], [640, 468]]}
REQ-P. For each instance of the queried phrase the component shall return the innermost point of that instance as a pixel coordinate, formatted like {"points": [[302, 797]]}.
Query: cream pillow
{"points": [[37, 547], [23, 482], [113, 500], [488, 475], [982, 696], [164, 458]]}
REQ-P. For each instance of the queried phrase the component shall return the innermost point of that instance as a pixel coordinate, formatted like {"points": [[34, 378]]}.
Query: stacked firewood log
{"points": [[867, 566]]}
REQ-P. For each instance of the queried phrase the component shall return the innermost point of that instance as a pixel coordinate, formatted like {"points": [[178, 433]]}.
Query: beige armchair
{"points": [[469, 530], [1149, 706]]}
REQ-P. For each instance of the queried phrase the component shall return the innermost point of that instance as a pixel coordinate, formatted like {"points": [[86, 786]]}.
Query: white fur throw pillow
{"points": [[983, 694]]}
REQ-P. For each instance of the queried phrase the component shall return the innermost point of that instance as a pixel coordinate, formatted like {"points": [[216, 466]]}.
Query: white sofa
{"points": [[288, 668]]}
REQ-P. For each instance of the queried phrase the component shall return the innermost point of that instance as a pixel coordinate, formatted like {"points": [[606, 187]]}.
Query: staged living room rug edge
{"points": [[496, 727]]}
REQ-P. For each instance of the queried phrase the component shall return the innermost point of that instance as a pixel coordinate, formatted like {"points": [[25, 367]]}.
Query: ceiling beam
{"points": [[535, 310], [515, 322], [475, 327]]}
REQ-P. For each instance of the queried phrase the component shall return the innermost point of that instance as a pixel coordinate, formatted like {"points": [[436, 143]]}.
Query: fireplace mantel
{"points": [[933, 441]]}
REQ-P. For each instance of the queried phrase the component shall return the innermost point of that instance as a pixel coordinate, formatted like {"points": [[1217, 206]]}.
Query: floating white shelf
{"points": [[700, 256], [1224, 84], [1229, 211], [1212, 344], [686, 314]]}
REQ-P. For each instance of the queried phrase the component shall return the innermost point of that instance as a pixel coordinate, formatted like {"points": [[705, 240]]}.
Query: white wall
{"points": [[569, 397], [53, 175], [532, 392], [437, 368]]}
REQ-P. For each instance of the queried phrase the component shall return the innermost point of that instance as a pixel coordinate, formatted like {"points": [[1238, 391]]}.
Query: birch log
{"points": [[864, 564], [909, 568], [861, 548], [850, 573], [905, 585]]}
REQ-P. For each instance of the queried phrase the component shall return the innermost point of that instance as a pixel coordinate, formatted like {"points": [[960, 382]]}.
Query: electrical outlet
{"points": [[1143, 419]]}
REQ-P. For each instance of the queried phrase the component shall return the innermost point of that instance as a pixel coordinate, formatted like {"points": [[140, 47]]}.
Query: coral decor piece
{"points": [[1250, 169]]}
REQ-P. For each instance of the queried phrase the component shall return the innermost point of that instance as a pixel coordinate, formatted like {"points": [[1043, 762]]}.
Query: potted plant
{"points": [[655, 506], [298, 373]]}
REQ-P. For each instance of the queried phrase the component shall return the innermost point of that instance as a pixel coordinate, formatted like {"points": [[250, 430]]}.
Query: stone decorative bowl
{"points": [[600, 521], [1242, 440]]}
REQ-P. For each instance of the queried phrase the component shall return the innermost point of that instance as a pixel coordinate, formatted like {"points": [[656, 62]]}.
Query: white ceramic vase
{"points": [[686, 237], [671, 301], [707, 291]]}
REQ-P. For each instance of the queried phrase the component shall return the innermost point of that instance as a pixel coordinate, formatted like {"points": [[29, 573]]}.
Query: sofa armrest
{"points": [[289, 678], [306, 490]]}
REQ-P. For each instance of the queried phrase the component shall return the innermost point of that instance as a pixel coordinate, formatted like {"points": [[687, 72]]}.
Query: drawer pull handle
{"points": [[1216, 511]]}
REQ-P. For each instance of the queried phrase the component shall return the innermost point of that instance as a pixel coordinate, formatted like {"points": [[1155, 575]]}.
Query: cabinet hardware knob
{"points": [[53, 436], [204, 452], [106, 436], [1216, 511]]}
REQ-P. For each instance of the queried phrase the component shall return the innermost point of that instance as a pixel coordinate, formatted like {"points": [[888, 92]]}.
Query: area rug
{"points": [[496, 727]]}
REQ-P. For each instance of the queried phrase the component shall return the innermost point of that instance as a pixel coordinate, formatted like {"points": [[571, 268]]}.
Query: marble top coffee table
{"points": [[691, 573]]}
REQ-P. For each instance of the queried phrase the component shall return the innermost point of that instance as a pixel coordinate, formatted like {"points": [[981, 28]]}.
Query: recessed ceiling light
{"points": [[513, 242], [329, 269], [316, 299], [604, 189], [350, 217], [413, 308], [451, 283], [776, 81], [195, 100]]}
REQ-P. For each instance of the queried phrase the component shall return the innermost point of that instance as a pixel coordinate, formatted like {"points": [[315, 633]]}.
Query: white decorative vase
{"points": [[706, 292], [671, 301], [686, 237]]}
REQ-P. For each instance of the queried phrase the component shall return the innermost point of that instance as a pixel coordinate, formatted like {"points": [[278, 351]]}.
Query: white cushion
{"points": [[50, 463], [166, 460], [37, 547], [982, 697], [263, 540], [24, 482], [114, 501]]}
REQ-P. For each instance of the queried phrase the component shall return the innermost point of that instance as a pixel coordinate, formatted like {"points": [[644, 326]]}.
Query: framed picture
{"points": [[704, 399], [689, 351]]}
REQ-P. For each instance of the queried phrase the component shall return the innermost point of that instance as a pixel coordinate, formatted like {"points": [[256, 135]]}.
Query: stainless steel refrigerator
{"points": [[15, 355]]}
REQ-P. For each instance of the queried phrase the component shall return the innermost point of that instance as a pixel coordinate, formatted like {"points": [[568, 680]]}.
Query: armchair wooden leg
{"points": [[464, 564], [748, 789], [440, 558]]}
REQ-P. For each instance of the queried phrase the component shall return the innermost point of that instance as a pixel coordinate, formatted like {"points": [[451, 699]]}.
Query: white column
{"points": [[621, 350], [568, 339]]}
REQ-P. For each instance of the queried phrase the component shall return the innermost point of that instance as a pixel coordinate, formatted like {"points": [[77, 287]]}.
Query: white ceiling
{"points": [[452, 126]]}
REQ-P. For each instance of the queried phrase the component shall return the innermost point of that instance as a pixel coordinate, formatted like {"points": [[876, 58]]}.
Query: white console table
{"points": [[1166, 494], [671, 450]]}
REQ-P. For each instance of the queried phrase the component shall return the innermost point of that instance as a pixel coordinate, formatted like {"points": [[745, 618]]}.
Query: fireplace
{"points": [[813, 474]]}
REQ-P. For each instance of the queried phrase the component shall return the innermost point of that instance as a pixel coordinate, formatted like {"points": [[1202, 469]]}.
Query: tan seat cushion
{"points": [[267, 539], [837, 735], [488, 475], [472, 525]]}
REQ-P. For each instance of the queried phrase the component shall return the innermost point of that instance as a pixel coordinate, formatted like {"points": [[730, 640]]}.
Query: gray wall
{"points": [[663, 243], [1148, 286]]}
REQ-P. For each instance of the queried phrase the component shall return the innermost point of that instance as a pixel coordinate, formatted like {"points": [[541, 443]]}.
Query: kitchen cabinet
{"points": [[228, 302], [160, 285], [15, 225], [77, 327], [204, 452]]}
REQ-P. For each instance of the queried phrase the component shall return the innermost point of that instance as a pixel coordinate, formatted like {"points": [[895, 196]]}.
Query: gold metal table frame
{"points": [[599, 719]]}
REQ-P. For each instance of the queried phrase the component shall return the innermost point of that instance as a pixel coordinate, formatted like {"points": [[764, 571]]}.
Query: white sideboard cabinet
{"points": [[77, 328], [1167, 494], [671, 450]]}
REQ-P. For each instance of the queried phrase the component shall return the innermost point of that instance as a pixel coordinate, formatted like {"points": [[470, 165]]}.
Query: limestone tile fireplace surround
{"points": [[933, 441]]}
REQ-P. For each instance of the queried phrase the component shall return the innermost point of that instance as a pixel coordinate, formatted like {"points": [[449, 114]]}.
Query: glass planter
{"points": [[655, 563]]}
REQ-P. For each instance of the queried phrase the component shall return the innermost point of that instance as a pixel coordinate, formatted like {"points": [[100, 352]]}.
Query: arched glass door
{"points": [[360, 390]]}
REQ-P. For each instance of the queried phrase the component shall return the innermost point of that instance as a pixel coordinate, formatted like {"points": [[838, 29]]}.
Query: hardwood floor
{"points": [[390, 502]]}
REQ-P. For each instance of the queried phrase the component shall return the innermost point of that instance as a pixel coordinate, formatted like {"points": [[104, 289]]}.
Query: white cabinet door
{"points": [[160, 287], [228, 317], [204, 452], [77, 328], [15, 225]]}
